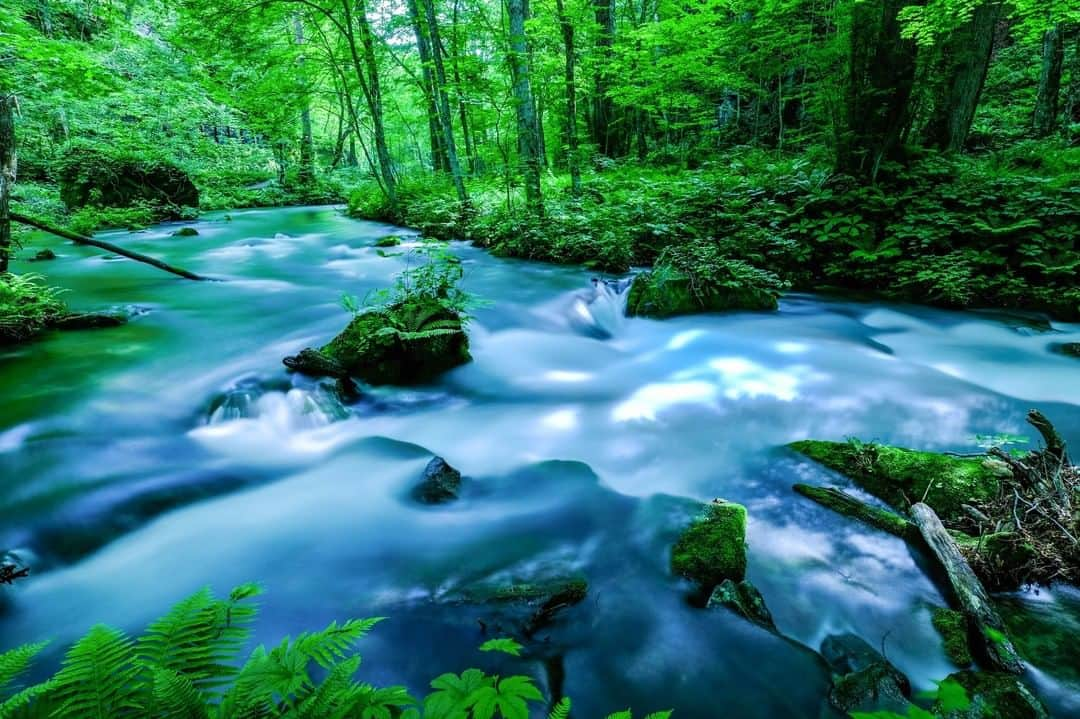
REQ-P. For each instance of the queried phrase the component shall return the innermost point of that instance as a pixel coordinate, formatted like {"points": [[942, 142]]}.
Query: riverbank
{"points": [[997, 231]]}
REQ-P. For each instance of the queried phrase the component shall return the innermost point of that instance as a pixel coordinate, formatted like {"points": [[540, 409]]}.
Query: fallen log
{"points": [[843, 503], [984, 624], [83, 240]]}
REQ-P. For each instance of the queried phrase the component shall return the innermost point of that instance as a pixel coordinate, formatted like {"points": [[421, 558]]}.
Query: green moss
{"points": [[993, 696], [845, 504], [1045, 633], [952, 626], [655, 294], [713, 547], [744, 599], [902, 477], [186, 232], [388, 241], [406, 343]]}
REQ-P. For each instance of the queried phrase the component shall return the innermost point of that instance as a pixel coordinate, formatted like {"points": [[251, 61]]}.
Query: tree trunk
{"points": [[603, 107], [985, 623], [881, 79], [959, 79], [423, 47], [367, 73], [1072, 97], [446, 119], [7, 175], [306, 172], [572, 159], [1046, 103], [527, 129], [466, 126]]}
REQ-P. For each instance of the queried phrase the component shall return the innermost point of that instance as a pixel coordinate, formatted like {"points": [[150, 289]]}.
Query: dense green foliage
{"points": [[186, 664]]}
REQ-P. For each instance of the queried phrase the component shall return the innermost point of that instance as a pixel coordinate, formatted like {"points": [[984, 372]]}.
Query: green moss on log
{"points": [[952, 626], [845, 504], [902, 477], [993, 696], [713, 547]]}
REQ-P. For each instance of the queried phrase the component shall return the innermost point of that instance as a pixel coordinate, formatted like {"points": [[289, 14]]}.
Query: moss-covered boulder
{"points": [[713, 547], [186, 232], [526, 607], [744, 599], [992, 696], [388, 241], [101, 177], [407, 343], [902, 477], [862, 678], [953, 628], [658, 294]]}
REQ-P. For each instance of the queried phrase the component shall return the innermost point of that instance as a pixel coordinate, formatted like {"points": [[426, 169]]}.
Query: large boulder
{"points": [[744, 599], [991, 696], [406, 343], [91, 175], [863, 680], [713, 547]]}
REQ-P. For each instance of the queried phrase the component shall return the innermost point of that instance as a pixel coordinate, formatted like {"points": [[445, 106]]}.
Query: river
{"points": [[143, 462]]}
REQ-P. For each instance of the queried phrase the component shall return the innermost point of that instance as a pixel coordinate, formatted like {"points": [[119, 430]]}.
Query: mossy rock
{"points": [[953, 628], [993, 695], [862, 678], [94, 175], [406, 343], [902, 477], [1069, 349], [713, 547], [744, 599], [186, 232], [388, 241], [1045, 633], [662, 295]]}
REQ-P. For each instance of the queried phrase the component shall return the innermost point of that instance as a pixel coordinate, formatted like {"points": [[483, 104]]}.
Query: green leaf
{"points": [[502, 644]]}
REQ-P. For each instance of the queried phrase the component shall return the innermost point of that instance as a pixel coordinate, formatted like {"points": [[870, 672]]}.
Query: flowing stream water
{"points": [[143, 462]]}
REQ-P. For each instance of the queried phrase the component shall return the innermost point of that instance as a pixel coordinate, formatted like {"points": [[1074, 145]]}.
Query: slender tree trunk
{"points": [[881, 77], [1072, 97], [446, 119], [527, 129], [367, 72], [438, 153], [463, 113], [7, 175], [961, 74], [306, 172], [1046, 103], [603, 107], [572, 159]]}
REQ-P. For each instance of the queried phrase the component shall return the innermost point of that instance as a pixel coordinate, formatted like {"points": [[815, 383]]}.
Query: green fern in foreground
{"points": [[187, 665]]}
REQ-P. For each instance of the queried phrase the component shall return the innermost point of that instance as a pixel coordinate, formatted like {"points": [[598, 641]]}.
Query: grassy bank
{"points": [[999, 230]]}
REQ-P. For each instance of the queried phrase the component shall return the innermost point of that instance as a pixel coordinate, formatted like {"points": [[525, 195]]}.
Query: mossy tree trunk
{"points": [[1046, 103], [528, 130], [423, 49], [881, 76], [7, 175], [959, 78]]}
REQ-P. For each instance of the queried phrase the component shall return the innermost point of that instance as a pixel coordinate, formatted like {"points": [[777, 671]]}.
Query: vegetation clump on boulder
{"points": [[92, 175], [186, 232], [992, 695], [713, 547], [698, 278]]}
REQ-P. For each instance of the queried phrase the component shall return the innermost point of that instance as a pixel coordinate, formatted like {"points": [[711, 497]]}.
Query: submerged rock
{"points": [[666, 294], [89, 320], [407, 343], [992, 696], [862, 679], [440, 483], [953, 628], [43, 256], [713, 547], [745, 600], [186, 232], [314, 363], [1069, 349], [533, 604], [903, 476]]}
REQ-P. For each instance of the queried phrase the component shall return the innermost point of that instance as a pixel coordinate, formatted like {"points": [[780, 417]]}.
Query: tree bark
{"points": [[527, 128], [82, 240], [423, 48], [306, 172], [1046, 103], [959, 80], [603, 107], [7, 175], [881, 77], [446, 119], [983, 620], [572, 159]]}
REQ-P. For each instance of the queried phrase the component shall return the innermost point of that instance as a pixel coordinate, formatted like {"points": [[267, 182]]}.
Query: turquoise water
{"points": [[142, 462]]}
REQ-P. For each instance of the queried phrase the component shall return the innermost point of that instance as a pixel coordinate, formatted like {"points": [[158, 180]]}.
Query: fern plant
{"points": [[185, 666]]}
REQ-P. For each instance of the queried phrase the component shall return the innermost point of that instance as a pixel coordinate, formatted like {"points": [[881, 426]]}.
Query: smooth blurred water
{"points": [[142, 462]]}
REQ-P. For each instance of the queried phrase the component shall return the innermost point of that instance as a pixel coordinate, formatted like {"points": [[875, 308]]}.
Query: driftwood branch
{"points": [[985, 625], [1055, 445], [83, 240], [843, 503]]}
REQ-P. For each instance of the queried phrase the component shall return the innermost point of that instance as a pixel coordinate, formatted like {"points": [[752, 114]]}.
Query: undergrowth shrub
{"points": [[27, 306]]}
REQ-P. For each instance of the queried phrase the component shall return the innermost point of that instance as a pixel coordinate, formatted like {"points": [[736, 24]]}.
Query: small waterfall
{"points": [[278, 407], [599, 312]]}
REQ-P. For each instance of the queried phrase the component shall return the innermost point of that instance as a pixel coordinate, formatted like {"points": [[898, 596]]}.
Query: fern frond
{"points": [[335, 696], [334, 642], [14, 703], [561, 710], [98, 677], [15, 662], [175, 696]]}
